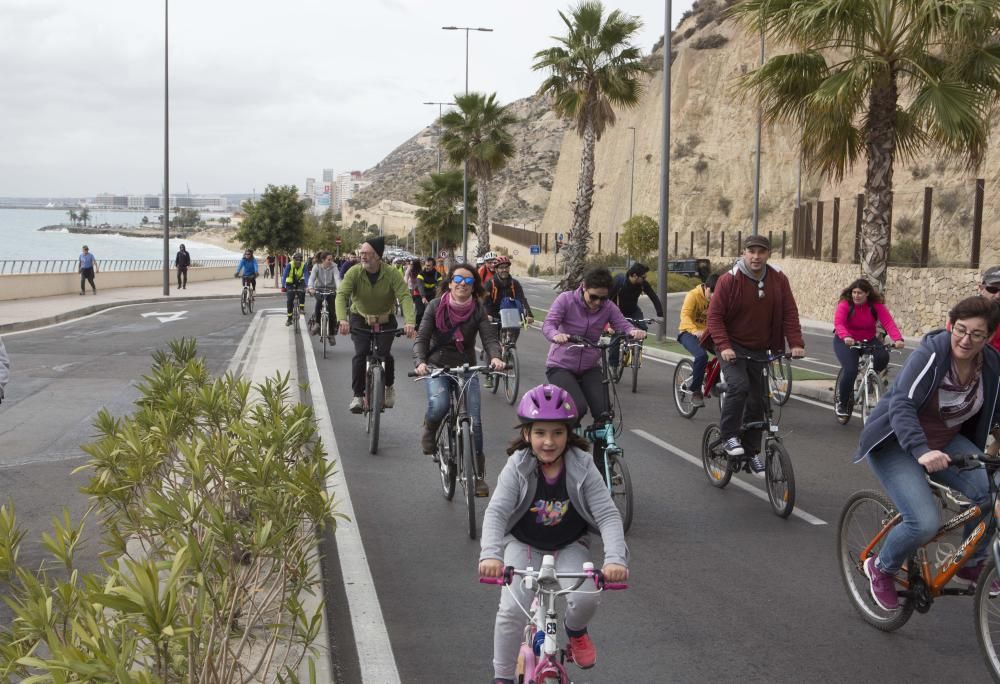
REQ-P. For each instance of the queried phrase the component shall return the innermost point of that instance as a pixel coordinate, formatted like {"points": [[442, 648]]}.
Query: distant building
{"points": [[328, 175], [143, 202], [346, 186], [310, 187]]}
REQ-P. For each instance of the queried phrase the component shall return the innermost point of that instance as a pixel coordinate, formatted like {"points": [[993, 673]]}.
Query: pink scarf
{"points": [[451, 314]]}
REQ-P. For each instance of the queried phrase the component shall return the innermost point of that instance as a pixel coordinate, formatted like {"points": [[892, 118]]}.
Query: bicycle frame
{"points": [[374, 356]]}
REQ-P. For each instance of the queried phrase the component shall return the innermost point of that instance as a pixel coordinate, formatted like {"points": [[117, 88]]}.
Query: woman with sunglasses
{"points": [[859, 310], [584, 311], [943, 404], [447, 337]]}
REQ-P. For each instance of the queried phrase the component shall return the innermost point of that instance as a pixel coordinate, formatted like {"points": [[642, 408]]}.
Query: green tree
{"points": [[879, 79], [640, 237], [73, 216], [85, 216], [440, 215], [476, 134], [275, 223], [594, 69]]}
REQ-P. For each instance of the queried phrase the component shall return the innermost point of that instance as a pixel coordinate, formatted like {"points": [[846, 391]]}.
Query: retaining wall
{"points": [[25, 286]]}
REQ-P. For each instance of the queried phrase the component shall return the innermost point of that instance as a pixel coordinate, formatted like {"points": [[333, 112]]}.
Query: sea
{"points": [[21, 239]]}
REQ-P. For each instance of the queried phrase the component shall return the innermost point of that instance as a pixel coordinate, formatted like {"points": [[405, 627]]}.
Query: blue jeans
{"points": [[902, 477], [700, 360], [438, 401]]}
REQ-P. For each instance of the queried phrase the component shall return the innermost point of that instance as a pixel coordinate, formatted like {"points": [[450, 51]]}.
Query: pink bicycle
{"points": [[541, 659]]}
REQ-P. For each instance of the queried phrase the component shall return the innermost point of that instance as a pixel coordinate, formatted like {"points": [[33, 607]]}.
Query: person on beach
{"points": [[87, 268], [182, 261]]}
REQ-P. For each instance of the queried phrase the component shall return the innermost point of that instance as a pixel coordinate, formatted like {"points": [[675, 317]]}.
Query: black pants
{"points": [[319, 309], [87, 276], [587, 389], [182, 276], [361, 343], [251, 281], [744, 395], [419, 307], [849, 360], [290, 300]]}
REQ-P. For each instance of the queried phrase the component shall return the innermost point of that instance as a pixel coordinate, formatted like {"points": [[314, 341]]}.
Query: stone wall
{"points": [[27, 285], [919, 298]]}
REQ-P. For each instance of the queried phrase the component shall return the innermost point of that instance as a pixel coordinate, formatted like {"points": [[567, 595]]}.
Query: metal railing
{"points": [[25, 266]]}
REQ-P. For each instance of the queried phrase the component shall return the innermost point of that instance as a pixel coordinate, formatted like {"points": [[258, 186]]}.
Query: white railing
{"points": [[24, 266]]}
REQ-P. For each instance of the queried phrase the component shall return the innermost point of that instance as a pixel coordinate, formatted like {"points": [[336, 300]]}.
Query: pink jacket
{"points": [[861, 325]]}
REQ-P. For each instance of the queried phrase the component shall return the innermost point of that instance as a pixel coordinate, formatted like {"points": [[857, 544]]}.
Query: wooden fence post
{"points": [[925, 228], [676, 234], [795, 232], [835, 243], [546, 247], [691, 252], [819, 229], [783, 241], [977, 221], [807, 237], [616, 243], [722, 244], [860, 205], [599, 236], [708, 243], [739, 242]]}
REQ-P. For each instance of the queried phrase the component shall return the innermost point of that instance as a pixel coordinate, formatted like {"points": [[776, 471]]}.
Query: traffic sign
{"points": [[337, 241], [561, 237], [535, 249], [443, 253]]}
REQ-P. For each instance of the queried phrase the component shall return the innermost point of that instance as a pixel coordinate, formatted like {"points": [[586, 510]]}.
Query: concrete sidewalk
{"points": [[35, 312]]}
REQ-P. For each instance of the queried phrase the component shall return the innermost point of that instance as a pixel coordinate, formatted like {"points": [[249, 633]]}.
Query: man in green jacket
{"points": [[373, 288]]}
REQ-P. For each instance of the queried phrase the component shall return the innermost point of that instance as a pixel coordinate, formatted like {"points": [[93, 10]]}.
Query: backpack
{"points": [[511, 302]]}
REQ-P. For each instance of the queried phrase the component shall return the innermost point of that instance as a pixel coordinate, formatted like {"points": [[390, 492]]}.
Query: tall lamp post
{"points": [[465, 170], [756, 175], [166, 149], [440, 106], [661, 271]]}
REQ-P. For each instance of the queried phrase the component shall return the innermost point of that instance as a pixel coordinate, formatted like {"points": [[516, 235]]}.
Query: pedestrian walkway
{"points": [[34, 312]]}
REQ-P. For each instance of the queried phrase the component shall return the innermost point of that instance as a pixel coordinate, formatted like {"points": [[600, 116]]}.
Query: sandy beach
{"points": [[218, 236]]}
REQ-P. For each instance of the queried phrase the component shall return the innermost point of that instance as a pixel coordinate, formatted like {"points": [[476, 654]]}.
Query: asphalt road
{"points": [[721, 589]]}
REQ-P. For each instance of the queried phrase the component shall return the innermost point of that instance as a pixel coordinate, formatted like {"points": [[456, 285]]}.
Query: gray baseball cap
{"points": [[991, 276]]}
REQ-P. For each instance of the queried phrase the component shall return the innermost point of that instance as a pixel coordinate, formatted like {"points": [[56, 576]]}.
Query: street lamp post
{"points": [[661, 271], [440, 114], [465, 170], [166, 149], [756, 175]]}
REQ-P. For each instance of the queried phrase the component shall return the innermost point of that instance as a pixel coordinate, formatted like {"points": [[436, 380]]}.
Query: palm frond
{"points": [[955, 116]]}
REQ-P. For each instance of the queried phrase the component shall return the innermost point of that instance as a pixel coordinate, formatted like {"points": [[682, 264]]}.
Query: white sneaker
{"points": [[757, 466], [733, 447], [355, 406], [390, 396]]}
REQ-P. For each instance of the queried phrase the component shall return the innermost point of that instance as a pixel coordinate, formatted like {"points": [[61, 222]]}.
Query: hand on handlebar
{"points": [[798, 352], [637, 334], [561, 338], [343, 328], [934, 460], [497, 364], [612, 572], [410, 330], [493, 568], [311, 290], [529, 320], [422, 369], [899, 344], [728, 355], [849, 341]]}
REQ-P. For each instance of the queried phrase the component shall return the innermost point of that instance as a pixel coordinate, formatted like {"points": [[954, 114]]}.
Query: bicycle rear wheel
{"points": [[837, 399], [376, 399], [780, 378], [621, 487], [717, 467], [636, 361], [446, 459], [863, 517], [512, 379], [682, 392], [873, 392], [780, 479], [252, 297], [244, 302], [988, 619], [324, 325], [467, 455]]}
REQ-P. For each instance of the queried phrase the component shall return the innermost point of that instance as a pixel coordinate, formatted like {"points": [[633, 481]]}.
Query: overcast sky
{"points": [[260, 92]]}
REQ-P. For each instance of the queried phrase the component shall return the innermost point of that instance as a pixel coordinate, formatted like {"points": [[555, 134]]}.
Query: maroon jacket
{"points": [[727, 314]]}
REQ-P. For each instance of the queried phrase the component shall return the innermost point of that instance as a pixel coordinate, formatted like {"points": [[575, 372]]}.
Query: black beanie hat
{"points": [[378, 244]]}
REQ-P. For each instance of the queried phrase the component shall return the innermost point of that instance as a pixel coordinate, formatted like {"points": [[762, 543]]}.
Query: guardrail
{"points": [[26, 266]]}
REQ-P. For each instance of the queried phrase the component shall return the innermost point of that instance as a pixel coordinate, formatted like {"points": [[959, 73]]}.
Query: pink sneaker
{"points": [[582, 650], [882, 586], [971, 575]]}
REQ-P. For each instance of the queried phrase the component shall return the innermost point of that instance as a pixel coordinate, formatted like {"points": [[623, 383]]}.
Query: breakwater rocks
{"points": [[128, 231]]}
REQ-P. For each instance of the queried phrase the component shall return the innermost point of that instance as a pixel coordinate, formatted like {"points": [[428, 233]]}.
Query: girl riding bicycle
{"points": [[943, 403], [860, 308], [549, 496]]}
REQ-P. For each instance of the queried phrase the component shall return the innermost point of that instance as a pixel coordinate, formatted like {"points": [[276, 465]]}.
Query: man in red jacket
{"points": [[752, 312], [990, 288]]}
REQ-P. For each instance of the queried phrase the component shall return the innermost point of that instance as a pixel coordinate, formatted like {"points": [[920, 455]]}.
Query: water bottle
{"points": [[536, 645]]}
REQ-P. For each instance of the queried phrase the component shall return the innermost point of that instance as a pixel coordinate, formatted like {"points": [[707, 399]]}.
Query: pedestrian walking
{"points": [[4, 369], [182, 261], [87, 268]]}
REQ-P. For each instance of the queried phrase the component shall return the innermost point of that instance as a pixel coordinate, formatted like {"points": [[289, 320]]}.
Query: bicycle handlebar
{"points": [[396, 332], [323, 291], [454, 370], [597, 576], [868, 345]]}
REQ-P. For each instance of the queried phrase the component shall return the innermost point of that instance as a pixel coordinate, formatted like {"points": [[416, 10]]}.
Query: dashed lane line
{"points": [[760, 494]]}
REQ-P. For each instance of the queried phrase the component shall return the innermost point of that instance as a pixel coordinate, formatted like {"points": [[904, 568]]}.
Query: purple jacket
{"points": [[570, 315]]}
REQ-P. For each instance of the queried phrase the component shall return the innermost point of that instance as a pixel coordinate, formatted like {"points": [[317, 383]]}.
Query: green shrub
{"points": [[725, 205], [710, 42], [700, 166], [948, 200], [533, 270], [904, 253], [608, 261], [904, 225]]}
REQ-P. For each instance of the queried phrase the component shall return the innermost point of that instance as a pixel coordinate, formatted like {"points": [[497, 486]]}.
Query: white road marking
{"points": [[797, 512], [166, 316]]}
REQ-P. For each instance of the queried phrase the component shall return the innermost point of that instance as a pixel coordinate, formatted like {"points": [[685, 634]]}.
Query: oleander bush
{"points": [[210, 497]]}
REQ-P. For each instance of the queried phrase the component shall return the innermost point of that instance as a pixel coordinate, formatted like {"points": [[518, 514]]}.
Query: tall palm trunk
{"points": [[578, 240], [881, 152], [482, 217]]}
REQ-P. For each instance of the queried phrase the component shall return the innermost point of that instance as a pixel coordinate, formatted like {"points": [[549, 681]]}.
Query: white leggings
{"points": [[508, 631]]}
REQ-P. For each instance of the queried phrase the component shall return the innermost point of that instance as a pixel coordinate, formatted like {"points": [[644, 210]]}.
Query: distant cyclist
{"points": [[323, 277], [425, 286], [486, 271], [858, 312], [293, 279], [4, 368], [625, 292], [248, 269], [692, 330], [505, 292]]}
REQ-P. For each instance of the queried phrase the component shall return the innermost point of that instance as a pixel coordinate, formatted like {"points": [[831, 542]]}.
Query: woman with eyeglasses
{"points": [[584, 311], [447, 338], [943, 404], [858, 312]]}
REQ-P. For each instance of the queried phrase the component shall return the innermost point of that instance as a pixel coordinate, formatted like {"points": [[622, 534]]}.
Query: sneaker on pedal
{"points": [[697, 399], [390, 397], [757, 465], [289, 321], [882, 586], [356, 406], [733, 447], [482, 489], [582, 650], [427, 442], [488, 382], [971, 575], [841, 410]]}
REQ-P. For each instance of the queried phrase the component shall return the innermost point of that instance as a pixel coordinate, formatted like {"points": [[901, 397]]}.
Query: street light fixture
{"points": [[166, 149], [465, 170]]}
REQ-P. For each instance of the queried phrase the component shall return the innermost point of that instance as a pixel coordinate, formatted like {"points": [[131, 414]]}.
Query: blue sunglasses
{"points": [[458, 280]]}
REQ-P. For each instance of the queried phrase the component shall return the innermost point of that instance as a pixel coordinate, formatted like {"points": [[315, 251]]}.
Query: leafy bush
{"points": [[533, 270], [700, 166], [725, 205], [904, 225], [609, 261], [920, 172], [640, 236], [213, 500], [948, 200], [687, 147], [710, 42], [688, 32], [904, 253]]}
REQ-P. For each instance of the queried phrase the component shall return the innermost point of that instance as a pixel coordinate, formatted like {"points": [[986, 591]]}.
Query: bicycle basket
{"points": [[510, 318]]}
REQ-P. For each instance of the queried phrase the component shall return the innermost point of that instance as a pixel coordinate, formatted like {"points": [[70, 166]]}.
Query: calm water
{"points": [[21, 239]]}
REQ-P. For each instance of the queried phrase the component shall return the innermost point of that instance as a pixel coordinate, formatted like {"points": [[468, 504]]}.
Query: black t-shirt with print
{"points": [[551, 522]]}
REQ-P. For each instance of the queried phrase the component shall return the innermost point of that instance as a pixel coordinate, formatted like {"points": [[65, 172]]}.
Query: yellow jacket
{"points": [[694, 312]]}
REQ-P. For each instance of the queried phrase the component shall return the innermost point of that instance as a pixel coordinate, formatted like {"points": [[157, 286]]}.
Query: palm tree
{"points": [[476, 134], [878, 78], [73, 216], [594, 69], [440, 215], [85, 216]]}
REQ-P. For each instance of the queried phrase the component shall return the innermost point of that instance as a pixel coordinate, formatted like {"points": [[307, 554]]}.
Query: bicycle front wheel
{"points": [[780, 479], [636, 361], [713, 457], [467, 454], [682, 389], [988, 619], [873, 392], [446, 460], [512, 380], [376, 399], [863, 517], [251, 298], [324, 325], [780, 379], [621, 487], [244, 302], [619, 368]]}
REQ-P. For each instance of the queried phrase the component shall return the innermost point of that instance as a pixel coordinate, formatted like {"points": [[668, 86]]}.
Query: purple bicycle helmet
{"points": [[547, 403]]}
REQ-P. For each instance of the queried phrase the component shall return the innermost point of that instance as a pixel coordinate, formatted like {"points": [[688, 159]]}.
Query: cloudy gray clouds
{"points": [[260, 92]]}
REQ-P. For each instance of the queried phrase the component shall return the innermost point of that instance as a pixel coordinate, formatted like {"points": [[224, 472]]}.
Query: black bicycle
{"points": [[373, 400], [778, 475], [298, 303], [630, 355], [511, 378], [324, 318], [456, 447]]}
